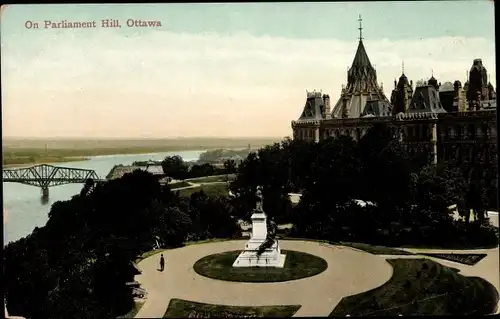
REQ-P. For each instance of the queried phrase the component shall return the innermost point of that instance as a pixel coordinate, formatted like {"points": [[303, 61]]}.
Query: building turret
{"points": [[401, 95], [459, 100], [361, 86], [326, 102], [491, 92], [478, 82], [447, 96], [432, 81]]}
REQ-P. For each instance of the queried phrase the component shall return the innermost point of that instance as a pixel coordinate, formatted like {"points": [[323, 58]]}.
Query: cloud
{"points": [[173, 84]]}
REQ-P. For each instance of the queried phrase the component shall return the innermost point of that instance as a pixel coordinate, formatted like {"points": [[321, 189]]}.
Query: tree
{"points": [[175, 167], [436, 187], [212, 217], [87, 187], [173, 225], [229, 166], [28, 277]]}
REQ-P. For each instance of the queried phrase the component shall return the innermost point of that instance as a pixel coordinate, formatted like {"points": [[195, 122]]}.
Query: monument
{"points": [[262, 250]]}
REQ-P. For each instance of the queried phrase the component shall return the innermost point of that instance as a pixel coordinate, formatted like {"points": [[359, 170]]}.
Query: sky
{"points": [[218, 70]]}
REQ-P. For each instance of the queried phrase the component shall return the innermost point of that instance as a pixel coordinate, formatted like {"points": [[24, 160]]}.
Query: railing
{"points": [[45, 176]]}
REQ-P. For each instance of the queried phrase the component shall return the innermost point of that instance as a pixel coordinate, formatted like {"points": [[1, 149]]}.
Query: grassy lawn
{"points": [[206, 241], [466, 259], [133, 312], [422, 287], [210, 190], [372, 249], [179, 185], [297, 265], [322, 241], [215, 178], [376, 250], [178, 308]]}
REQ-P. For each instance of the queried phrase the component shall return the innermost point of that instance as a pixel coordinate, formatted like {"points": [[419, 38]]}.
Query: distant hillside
{"points": [[220, 155], [175, 143]]}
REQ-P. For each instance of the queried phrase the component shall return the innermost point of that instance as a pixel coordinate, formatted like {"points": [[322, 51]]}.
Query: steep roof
{"points": [[447, 86], [361, 58], [403, 81], [361, 86], [426, 100], [432, 81], [377, 108], [314, 107]]}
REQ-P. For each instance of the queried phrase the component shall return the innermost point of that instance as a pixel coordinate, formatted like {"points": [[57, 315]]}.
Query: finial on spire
{"points": [[403, 67], [432, 72], [360, 28]]}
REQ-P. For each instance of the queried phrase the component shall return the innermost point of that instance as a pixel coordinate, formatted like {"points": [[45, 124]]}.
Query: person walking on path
{"points": [[162, 263]]}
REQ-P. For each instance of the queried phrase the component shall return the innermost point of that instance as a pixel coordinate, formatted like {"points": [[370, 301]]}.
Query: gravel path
{"points": [[349, 272]]}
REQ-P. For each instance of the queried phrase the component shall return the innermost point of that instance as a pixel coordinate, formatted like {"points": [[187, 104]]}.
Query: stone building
{"points": [[441, 122]]}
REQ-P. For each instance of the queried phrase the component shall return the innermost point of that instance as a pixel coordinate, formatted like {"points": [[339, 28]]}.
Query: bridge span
{"points": [[45, 176]]}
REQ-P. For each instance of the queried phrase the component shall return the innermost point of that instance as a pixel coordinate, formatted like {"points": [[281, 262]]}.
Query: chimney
{"points": [[326, 102], [344, 107]]}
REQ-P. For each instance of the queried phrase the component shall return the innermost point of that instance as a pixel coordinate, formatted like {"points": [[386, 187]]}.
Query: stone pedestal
{"points": [[271, 257]]}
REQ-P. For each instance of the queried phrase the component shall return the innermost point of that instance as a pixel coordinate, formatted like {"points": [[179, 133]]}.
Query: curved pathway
{"points": [[193, 185], [349, 272]]}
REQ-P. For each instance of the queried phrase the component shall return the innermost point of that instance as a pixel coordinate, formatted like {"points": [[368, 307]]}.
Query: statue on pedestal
{"points": [[260, 199], [263, 241], [272, 229]]}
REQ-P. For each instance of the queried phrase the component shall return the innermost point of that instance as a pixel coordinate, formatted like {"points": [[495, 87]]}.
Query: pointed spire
{"points": [[432, 72], [360, 28]]}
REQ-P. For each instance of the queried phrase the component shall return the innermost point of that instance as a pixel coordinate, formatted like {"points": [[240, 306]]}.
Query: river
{"points": [[25, 209]]}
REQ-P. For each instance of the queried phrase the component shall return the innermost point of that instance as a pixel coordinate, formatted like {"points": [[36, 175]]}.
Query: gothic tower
{"points": [[361, 84], [479, 88], [402, 94]]}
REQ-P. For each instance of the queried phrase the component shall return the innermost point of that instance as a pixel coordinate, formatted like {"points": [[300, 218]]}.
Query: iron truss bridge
{"points": [[46, 176]]}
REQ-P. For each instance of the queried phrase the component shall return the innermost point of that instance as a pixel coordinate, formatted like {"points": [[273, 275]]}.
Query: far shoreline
{"points": [[85, 156], [61, 160]]}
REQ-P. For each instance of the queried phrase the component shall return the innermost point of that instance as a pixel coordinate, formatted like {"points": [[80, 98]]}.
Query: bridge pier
{"points": [[45, 192]]}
